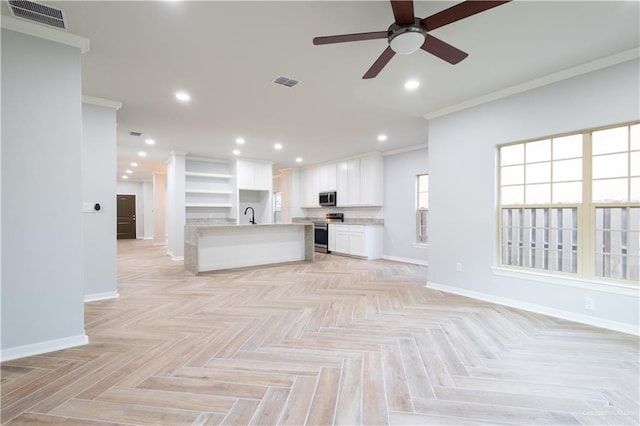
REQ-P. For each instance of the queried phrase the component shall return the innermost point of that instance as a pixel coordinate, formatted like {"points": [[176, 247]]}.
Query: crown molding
{"points": [[41, 31], [108, 103], [406, 149], [625, 56]]}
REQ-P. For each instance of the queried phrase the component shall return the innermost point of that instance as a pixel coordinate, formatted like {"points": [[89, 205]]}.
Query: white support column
{"points": [[175, 205], [159, 213]]}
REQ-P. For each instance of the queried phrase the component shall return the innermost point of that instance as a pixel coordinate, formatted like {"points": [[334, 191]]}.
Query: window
{"points": [[422, 211], [277, 207], [571, 204]]}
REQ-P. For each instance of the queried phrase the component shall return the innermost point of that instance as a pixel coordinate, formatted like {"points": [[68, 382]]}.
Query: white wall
{"points": [[400, 171], [462, 166], [137, 189], [289, 186], [261, 203], [175, 211], [99, 186], [42, 237], [159, 193], [147, 196]]}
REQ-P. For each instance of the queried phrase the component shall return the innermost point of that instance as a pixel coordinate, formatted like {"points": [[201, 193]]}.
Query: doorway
{"points": [[126, 220]]}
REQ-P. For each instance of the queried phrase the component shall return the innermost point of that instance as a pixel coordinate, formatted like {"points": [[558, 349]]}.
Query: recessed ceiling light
{"points": [[298, 160], [150, 142], [277, 146], [129, 171], [236, 152], [412, 84], [240, 141], [183, 96], [125, 177], [382, 137], [142, 154], [134, 164]]}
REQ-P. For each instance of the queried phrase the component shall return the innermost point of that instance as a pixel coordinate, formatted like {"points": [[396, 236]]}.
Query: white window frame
{"points": [[277, 207], [586, 218], [419, 211]]}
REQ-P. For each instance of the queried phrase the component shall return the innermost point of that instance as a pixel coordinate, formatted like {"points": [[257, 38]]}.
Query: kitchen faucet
{"points": [[253, 214]]}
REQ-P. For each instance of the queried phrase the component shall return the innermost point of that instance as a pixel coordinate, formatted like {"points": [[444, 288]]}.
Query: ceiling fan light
{"points": [[407, 42]]}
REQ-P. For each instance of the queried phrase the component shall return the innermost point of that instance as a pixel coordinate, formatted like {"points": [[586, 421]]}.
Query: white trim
{"points": [[43, 347], [206, 160], [94, 297], [627, 55], [44, 32], [173, 257], [545, 310], [147, 238], [421, 245], [108, 103], [604, 287], [405, 260], [405, 149]]}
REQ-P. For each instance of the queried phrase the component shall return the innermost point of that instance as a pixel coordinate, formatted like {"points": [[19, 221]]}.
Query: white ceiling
{"points": [[225, 54]]}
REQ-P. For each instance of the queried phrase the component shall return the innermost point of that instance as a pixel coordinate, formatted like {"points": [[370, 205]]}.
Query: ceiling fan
{"points": [[409, 33]]}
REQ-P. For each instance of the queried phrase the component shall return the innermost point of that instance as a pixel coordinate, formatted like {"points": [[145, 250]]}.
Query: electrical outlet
{"points": [[459, 267], [589, 303]]}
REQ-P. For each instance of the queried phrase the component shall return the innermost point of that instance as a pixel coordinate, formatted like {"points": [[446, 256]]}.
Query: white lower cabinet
{"points": [[342, 239], [357, 240], [331, 230]]}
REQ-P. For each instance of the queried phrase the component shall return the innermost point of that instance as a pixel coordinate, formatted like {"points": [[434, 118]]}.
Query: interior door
{"points": [[126, 220]]}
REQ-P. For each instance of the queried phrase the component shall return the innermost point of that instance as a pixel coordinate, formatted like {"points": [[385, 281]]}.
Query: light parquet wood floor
{"points": [[338, 341]]}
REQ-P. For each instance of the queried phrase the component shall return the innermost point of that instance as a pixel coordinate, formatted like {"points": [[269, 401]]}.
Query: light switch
{"points": [[91, 207]]}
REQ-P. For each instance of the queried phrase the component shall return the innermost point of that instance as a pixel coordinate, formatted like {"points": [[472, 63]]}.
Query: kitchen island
{"points": [[224, 246]]}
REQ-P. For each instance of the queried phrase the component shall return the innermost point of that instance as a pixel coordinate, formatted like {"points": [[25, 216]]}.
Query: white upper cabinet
{"points": [[353, 182], [254, 175], [357, 182], [263, 176], [348, 183], [326, 177], [371, 180], [342, 188]]}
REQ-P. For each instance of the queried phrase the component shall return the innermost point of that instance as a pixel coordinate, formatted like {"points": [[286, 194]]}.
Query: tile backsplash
{"points": [[349, 212]]}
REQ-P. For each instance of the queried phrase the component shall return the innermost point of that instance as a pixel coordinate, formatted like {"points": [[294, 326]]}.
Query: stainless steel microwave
{"points": [[327, 199]]}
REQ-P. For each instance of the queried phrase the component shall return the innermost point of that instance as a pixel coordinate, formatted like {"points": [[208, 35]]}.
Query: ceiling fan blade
{"points": [[457, 12], [443, 50], [380, 63], [403, 11], [350, 37]]}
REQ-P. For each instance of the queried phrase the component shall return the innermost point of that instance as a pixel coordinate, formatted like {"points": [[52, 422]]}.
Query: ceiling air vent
{"points": [[135, 133], [286, 81], [38, 12]]}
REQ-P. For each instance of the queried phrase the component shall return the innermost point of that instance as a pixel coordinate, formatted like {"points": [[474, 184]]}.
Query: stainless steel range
{"points": [[321, 229]]}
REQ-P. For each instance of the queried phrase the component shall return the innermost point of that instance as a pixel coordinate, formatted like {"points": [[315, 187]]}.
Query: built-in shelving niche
{"points": [[208, 192]]}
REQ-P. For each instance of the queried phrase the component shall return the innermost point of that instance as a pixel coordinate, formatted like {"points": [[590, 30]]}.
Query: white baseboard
{"points": [[173, 257], [405, 260], [43, 347], [94, 297], [147, 238], [539, 309]]}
